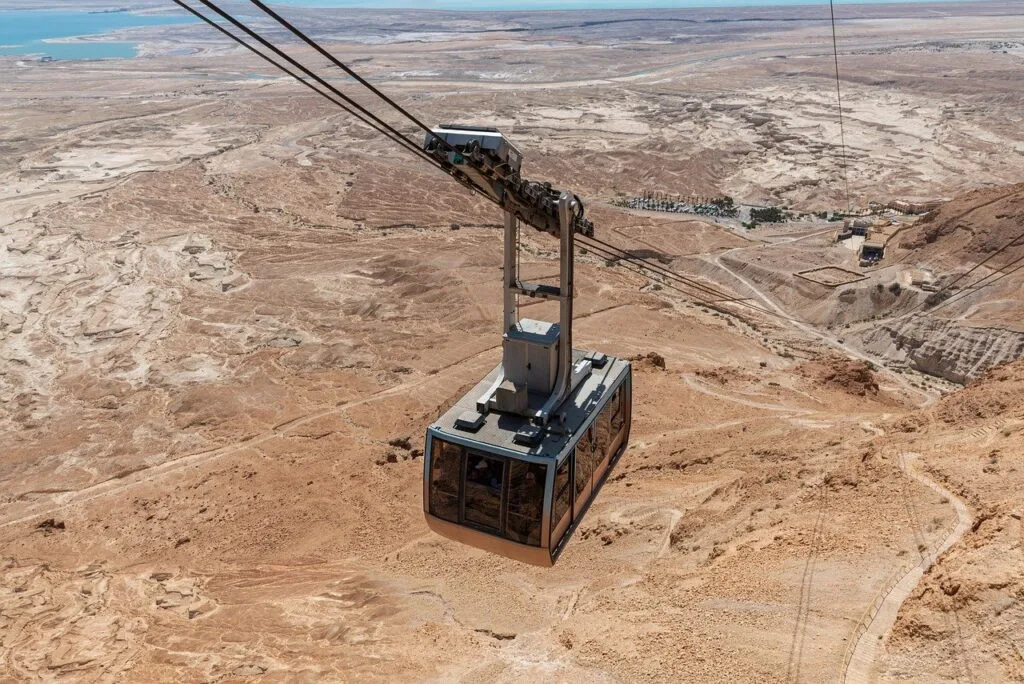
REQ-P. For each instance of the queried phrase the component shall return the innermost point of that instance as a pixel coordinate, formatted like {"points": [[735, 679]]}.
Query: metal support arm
{"points": [[509, 382]]}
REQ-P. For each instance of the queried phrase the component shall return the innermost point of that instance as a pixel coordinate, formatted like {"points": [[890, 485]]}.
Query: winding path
{"points": [[929, 397], [869, 645], [61, 500]]}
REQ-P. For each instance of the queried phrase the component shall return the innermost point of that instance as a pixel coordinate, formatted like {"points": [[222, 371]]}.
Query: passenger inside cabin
{"points": [[479, 472], [526, 503], [487, 474]]}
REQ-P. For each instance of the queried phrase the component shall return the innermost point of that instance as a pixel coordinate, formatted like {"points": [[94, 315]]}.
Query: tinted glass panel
{"points": [[584, 462], [445, 473], [525, 501], [627, 402], [619, 412], [484, 477], [596, 454], [562, 495], [603, 431]]}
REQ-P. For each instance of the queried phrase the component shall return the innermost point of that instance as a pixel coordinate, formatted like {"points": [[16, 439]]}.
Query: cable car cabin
{"points": [[499, 483], [513, 466]]}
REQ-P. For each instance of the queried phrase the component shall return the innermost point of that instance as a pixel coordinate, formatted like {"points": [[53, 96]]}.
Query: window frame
{"points": [[589, 464], [554, 521], [506, 457], [502, 503], [437, 444], [506, 494], [602, 462]]}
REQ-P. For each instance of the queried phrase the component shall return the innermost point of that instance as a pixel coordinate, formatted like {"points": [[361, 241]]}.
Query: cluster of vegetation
{"points": [[936, 298], [768, 215], [723, 202], [722, 207], [717, 207]]}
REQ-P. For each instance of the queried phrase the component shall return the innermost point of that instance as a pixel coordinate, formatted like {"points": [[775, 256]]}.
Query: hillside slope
{"points": [[976, 319], [964, 621]]}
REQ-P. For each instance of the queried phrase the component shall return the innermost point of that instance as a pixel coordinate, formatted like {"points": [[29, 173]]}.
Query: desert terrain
{"points": [[228, 313]]}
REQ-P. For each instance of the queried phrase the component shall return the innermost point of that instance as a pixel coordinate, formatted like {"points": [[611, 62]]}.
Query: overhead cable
{"points": [[364, 115], [1011, 243], [980, 284], [391, 132], [341, 65], [839, 97], [300, 79]]}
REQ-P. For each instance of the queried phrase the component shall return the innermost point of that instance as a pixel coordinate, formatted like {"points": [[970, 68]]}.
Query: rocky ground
{"points": [[962, 621], [227, 314]]}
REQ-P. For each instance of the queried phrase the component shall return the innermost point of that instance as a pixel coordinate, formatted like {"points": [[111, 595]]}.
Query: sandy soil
{"points": [[224, 307]]}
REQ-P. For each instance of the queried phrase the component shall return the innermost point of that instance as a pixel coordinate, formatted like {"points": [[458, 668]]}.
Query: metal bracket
{"points": [[568, 374]]}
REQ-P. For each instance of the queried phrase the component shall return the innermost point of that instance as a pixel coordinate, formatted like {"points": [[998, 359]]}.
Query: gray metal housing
{"points": [[498, 435]]}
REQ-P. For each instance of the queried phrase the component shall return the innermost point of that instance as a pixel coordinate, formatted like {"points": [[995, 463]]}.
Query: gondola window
{"points": [[585, 462], [525, 502], [563, 494], [484, 479], [445, 474]]}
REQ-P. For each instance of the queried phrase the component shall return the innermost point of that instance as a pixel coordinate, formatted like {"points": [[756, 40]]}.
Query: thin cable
{"points": [[652, 276], [338, 63], [978, 265], [397, 135], [660, 271], [640, 269], [839, 97], [666, 272], [651, 273], [623, 254], [365, 116], [663, 271], [980, 284], [287, 71]]}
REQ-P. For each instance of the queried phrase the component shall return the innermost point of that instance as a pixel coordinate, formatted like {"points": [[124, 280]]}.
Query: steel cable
{"points": [[395, 136], [341, 65], [839, 98], [389, 131]]}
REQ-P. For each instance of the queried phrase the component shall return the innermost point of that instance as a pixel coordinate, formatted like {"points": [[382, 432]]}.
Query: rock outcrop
{"points": [[947, 349]]}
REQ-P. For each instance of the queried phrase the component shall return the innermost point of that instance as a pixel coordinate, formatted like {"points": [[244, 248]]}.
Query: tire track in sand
{"points": [[866, 651], [147, 474], [142, 475]]}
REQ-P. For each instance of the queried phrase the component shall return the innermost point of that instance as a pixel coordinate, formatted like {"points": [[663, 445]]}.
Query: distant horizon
{"points": [[481, 5], [581, 5], [56, 33]]}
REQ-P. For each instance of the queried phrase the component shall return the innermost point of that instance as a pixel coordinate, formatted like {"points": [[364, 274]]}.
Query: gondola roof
{"points": [[516, 433]]}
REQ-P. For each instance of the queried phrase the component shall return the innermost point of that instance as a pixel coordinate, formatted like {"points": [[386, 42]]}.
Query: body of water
{"points": [[38, 33], [527, 5], [31, 32]]}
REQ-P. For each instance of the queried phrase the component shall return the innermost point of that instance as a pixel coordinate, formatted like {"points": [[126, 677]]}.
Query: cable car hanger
{"points": [[513, 467], [654, 270]]}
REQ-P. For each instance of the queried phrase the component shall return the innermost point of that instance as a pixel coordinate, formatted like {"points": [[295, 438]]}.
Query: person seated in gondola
{"points": [[478, 473], [494, 475], [526, 502], [486, 475]]}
